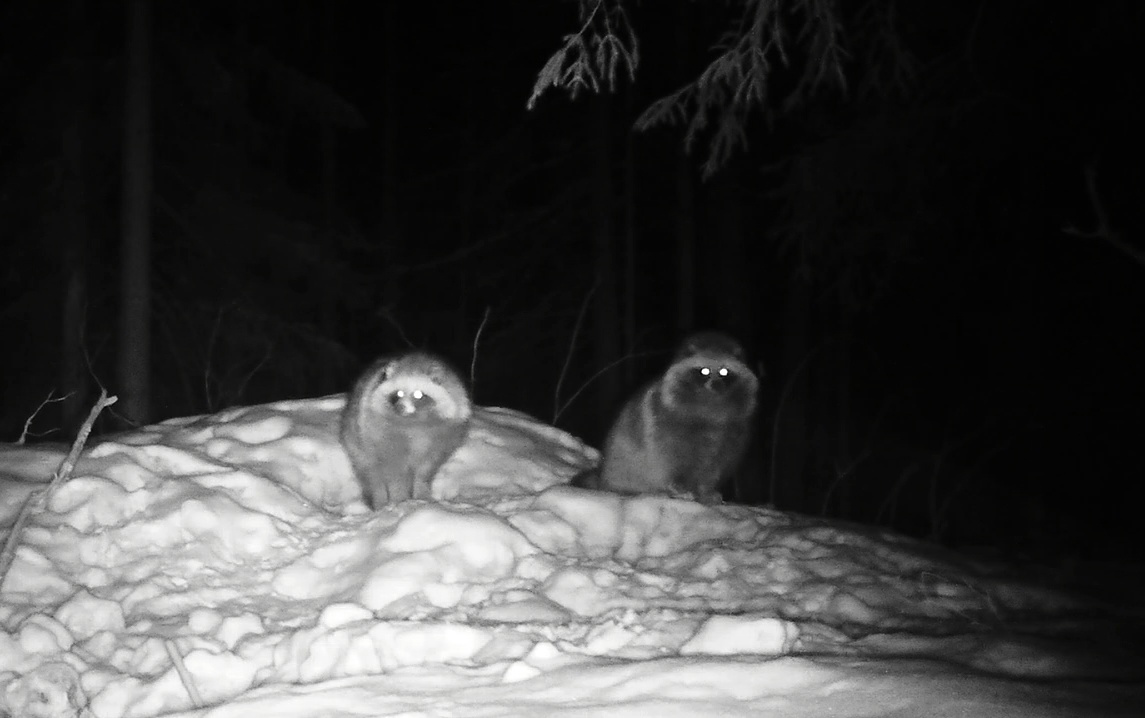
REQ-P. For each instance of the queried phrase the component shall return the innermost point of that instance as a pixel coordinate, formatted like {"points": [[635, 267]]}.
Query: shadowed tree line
{"points": [[872, 198]]}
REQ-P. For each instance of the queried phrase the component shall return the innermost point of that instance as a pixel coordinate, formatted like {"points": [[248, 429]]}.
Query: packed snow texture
{"points": [[230, 558]]}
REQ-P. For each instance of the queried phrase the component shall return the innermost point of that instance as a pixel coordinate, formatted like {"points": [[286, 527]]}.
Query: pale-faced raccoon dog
{"points": [[688, 430], [404, 417]]}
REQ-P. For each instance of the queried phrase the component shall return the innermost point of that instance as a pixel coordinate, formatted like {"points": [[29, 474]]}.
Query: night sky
{"points": [[336, 181]]}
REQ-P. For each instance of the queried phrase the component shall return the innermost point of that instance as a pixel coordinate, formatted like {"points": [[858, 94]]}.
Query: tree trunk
{"points": [[630, 235], [727, 270], [725, 286], [73, 374], [606, 319], [789, 449], [135, 300], [685, 225], [72, 226], [843, 443], [391, 228], [326, 300]]}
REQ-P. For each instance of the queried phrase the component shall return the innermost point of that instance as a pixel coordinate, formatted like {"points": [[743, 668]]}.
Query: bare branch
{"points": [[30, 419], [557, 408], [476, 340], [1103, 231], [65, 470], [39, 498], [594, 377]]}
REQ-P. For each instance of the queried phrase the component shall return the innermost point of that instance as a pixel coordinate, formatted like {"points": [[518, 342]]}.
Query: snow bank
{"points": [[237, 544]]}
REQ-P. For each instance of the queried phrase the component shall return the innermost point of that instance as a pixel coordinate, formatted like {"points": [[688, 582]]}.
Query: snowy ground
{"points": [[234, 549]]}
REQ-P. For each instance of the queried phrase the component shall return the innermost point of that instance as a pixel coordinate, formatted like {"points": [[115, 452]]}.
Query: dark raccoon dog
{"points": [[404, 417], [686, 431]]}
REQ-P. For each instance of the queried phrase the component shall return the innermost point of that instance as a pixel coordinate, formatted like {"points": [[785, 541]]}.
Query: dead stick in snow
{"points": [[9, 551], [40, 497], [184, 674], [65, 470]]}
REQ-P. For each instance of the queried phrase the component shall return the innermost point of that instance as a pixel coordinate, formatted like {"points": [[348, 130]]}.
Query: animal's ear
{"points": [[710, 342], [388, 370]]}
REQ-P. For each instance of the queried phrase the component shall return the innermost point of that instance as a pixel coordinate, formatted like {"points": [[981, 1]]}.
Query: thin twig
{"points": [[936, 527], [69, 464], [847, 472], [388, 314], [211, 341], [45, 402], [1104, 230], [473, 361], [593, 378], [841, 475], [890, 503], [39, 498], [572, 346], [241, 389], [184, 674], [969, 474], [790, 384]]}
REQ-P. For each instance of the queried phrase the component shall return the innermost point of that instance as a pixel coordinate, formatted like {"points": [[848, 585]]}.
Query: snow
{"points": [[232, 553]]}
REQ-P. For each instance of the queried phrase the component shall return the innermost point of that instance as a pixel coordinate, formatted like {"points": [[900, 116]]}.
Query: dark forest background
{"points": [[934, 255]]}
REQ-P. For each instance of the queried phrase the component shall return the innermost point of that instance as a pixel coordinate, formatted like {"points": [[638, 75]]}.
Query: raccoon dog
{"points": [[404, 417], [686, 431]]}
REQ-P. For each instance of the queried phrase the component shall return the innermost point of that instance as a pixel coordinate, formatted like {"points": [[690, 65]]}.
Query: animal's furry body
{"points": [[686, 431], [404, 417]]}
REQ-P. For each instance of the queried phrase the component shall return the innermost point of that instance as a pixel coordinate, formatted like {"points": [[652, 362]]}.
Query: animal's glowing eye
{"points": [[724, 371], [418, 394], [400, 393], [705, 371]]}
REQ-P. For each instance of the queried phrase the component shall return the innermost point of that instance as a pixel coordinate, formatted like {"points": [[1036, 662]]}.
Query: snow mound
{"points": [[230, 557]]}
